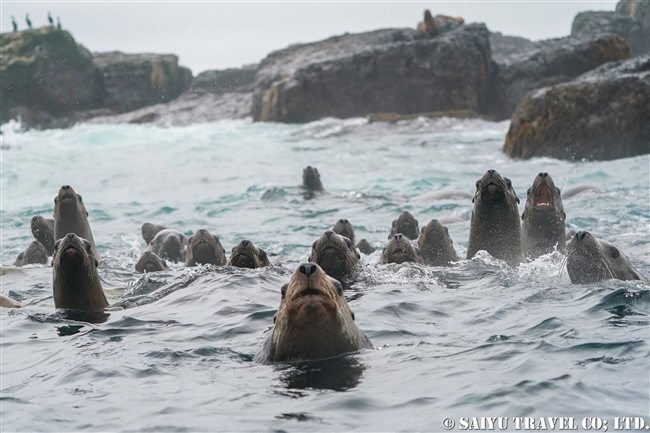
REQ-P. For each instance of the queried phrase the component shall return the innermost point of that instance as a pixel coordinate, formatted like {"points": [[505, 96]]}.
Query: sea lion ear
{"points": [[263, 255], [57, 244], [96, 263], [56, 200], [523, 215], [189, 241], [274, 317], [283, 290], [339, 288], [80, 199], [352, 314], [563, 215], [559, 191]]}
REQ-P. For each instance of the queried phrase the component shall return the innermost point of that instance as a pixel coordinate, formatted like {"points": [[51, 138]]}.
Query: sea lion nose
{"points": [[65, 187], [491, 172], [245, 242], [580, 235], [307, 268], [398, 237], [329, 234], [70, 236], [343, 221], [542, 175]]}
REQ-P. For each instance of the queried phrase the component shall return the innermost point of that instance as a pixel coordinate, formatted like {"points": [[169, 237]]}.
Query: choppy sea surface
{"points": [[175, 353]]}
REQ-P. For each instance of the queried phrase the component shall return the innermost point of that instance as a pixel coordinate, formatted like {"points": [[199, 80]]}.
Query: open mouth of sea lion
{"points": [[543, 196]]}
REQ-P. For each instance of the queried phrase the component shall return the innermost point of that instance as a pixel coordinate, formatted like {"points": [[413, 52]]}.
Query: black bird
{"points": [[29, 23], [49, 18], [13, 22], [58, 23]]}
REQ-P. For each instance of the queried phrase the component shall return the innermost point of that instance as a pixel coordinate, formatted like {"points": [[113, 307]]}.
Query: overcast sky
{"points": [[217, 35]]}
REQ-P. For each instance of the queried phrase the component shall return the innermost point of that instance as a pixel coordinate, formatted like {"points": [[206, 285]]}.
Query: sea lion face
{"points": [[399, 250], [34, 254], [436, 247], [69, 202], [204, 249], [314, 320], [335, 254], [407, 225], [311, 179], [590, 260], [75, 281], [248, 255], [543, 218], [169, 244], [344, 228], [70, 216], [493, 188], [150, 262]]}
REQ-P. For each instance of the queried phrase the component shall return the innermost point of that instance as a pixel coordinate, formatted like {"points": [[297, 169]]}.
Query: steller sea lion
{"points": [[34, 254], [365, 247], [335, 254], [495, 225], [8, 302], [70, 216], [343, 227], [43, 231], [579, 189], [429, 26], [436, 247], [311, 179], [405, 224], [204, 249], [399, 250], [75, 281], [543, 229], [248, 255], [149, 231], [590, 260], [169, 244], [150, 262], [313, 321]]}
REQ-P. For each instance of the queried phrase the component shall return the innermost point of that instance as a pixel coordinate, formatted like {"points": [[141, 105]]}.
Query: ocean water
{"points": [[175, 350]]}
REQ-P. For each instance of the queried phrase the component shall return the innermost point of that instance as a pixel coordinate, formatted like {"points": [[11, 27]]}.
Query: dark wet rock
{"points": [[225, 81], [385, 71], [600, 115], [503, 46], [611, 22], [132, 81], [549, 62], [45, 70]]}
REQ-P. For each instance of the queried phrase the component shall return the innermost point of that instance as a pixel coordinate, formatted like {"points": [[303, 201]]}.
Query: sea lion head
{"points": [[436, 246], [73, 249], [150, 262], [314, 320], [205, 248], [493, 188], [343, 227], [248, 255], [544, 197], [311, 179], [335, 254], [399, 250], [34, 254], [590, 260], [365, 247], [407, 225], [43, 231], [169, 244], [68, 202]]}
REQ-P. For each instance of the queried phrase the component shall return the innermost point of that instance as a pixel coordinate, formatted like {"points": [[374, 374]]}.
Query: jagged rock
{"points": [[549, 62], [611, 22], [503, 46], [637, 9], [45, 70], [601, 115], [382, 71], [132, 81], [225, 81]]}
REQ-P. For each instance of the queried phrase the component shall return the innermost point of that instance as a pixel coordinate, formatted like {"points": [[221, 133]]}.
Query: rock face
{"points": [[503, 46], [225, 81], [612, 22], [395, 71], [601, 115], [46, 70], [132, 81], [549, 62], [637, 9]]}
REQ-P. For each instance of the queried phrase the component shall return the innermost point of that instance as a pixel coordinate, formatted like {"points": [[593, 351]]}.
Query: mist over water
{"points": [[174, 352]]}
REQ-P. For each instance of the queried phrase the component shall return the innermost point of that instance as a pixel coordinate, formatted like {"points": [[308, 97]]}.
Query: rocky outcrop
{"points": [[225, 81], [132, 81], [637, 9], [601, 115], [549, 62], [45, 70], [389, 71], [503, 46], [612, 22]]}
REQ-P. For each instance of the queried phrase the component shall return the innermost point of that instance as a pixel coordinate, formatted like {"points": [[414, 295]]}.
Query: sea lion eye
{"points": [[314, 244], [348, 242], [89, 247], [262, 254], [339, 288], [283, 290], [508, 183], [614, 253], [56, 200], [80, 199], [528, 192], [478, 183], [57, 244]]}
